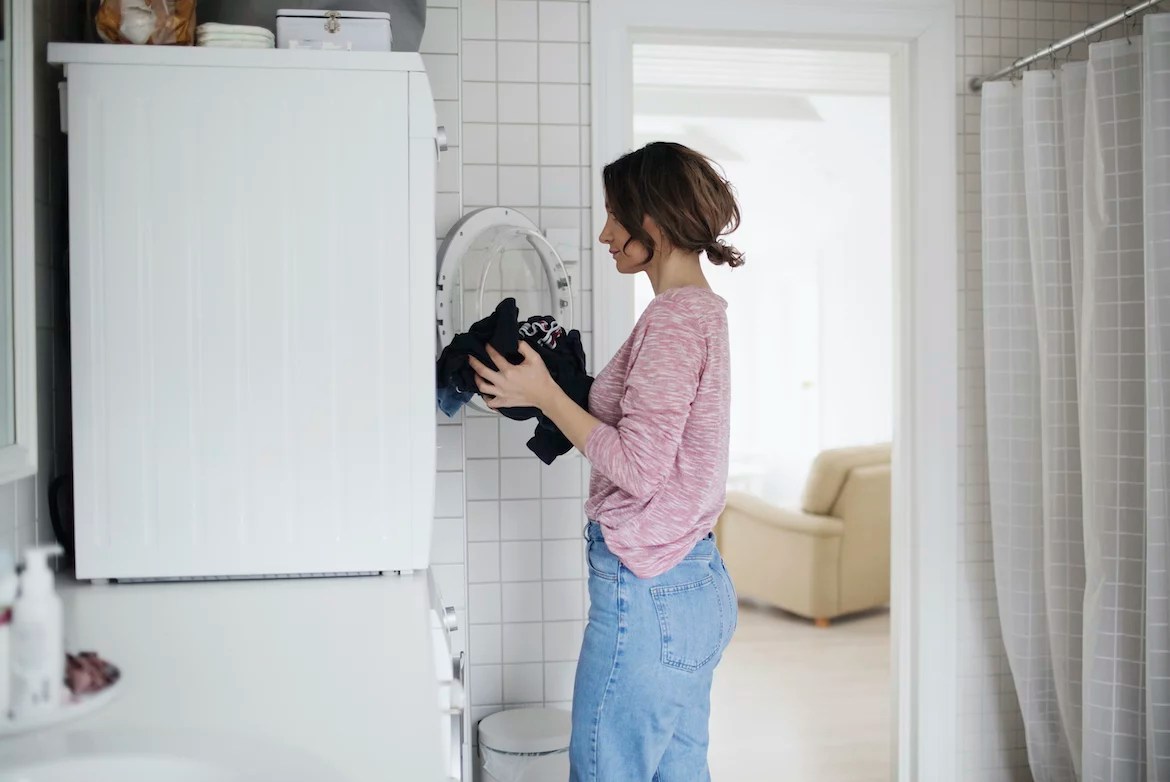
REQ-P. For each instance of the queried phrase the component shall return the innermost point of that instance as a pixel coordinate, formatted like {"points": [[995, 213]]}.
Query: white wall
{"points": [[512, 77]]}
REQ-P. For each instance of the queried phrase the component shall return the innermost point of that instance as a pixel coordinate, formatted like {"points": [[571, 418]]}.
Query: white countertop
{"points": [[201, 56], [340, 668]]}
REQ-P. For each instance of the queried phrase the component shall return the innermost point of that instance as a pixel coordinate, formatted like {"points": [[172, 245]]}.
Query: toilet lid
{"points": [[550, 768], [492, 254], [524, 731]]}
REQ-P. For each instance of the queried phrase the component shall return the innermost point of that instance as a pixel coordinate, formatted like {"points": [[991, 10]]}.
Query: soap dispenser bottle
{"points": [[38, 642]]}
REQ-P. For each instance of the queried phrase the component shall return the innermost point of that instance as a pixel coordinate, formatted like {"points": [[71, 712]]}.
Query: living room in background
{"points": [[919, 40], [804, 134]]}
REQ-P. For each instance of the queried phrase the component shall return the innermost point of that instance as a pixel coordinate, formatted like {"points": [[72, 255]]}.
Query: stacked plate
{"points": [[234, 36]]}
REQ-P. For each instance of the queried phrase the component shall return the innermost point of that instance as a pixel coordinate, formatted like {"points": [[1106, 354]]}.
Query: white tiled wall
{"points": [[440, 51], [24, 516], [508, 524], [990, 34]]}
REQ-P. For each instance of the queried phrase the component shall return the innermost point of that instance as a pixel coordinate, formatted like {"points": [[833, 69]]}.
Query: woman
{"points": [[662, 605]]}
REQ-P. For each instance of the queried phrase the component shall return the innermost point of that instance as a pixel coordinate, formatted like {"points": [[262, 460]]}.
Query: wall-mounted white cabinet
{"points": [[252, 301]]}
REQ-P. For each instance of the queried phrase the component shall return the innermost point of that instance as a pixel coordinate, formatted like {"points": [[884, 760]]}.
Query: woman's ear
{"points": [[661, 245]]}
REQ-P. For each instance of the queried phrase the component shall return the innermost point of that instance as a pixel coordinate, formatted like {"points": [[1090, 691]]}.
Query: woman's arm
{"points": [[639, 452]]}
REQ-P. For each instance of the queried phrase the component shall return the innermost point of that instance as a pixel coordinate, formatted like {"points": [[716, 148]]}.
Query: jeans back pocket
{"points": [[691, 619]]}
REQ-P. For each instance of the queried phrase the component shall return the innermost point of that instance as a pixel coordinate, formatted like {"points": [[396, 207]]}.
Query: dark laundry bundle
{"points": [[562, 352]]}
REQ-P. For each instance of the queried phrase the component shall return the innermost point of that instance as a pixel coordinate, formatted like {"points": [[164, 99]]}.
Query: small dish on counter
{"points": [[92, 683]]}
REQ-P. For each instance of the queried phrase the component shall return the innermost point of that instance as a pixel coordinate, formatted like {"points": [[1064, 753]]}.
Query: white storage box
{"points": [[357, 31]]}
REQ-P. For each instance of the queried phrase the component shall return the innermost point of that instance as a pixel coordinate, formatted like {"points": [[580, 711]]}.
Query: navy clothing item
{"points": [[562, 352], [451, 401]]}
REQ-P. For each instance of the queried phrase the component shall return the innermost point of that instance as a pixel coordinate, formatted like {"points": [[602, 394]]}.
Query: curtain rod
{"points": [[977, 82]]}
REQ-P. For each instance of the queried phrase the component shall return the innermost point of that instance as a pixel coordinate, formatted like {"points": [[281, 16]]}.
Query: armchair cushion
{"points": [[830, 469], [791, 520]]}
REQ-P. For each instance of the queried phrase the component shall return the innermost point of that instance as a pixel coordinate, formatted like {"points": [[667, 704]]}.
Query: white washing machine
{"points": [[492, 254]]}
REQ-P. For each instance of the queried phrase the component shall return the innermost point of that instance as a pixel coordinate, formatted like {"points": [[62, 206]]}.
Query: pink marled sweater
{"points": [[660, 456]]}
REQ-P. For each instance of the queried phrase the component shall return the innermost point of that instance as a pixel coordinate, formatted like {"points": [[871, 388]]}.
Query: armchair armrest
{"points": [[790, 520]]}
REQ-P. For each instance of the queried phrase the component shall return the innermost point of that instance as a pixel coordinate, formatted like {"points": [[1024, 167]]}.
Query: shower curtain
{"points": [[1076, 312]]}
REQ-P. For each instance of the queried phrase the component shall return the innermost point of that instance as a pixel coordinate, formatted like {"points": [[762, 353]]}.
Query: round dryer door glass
{"points": [[499, 255]]}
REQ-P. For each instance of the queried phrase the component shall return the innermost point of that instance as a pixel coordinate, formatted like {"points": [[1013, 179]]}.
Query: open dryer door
{"points": [[489, 255]]}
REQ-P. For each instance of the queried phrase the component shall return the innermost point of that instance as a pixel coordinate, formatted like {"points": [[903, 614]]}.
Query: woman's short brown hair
{"points": [[681, 190]]}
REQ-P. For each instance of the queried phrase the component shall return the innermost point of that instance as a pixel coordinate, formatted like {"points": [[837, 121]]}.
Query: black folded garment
{"points": [[562, 352]]}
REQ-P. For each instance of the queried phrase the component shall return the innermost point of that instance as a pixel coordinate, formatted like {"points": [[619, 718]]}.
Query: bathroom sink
{"points": [[148, 756], [121, 768]]}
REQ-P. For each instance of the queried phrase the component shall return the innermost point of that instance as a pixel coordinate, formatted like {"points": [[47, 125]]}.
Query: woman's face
{"points": [[629, 256]]}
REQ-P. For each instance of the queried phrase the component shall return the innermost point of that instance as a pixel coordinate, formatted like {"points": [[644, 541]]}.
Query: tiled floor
{"points": [[793, 702]]}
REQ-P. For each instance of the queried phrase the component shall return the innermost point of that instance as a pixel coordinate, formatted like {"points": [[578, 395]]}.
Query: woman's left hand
{"points": [[526, 384]]}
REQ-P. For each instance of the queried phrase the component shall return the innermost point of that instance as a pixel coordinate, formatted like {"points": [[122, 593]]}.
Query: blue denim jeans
{"points": [[642, 698]]}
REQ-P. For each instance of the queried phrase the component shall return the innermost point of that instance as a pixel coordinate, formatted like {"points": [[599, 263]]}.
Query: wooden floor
{"points": [[796, 702]]}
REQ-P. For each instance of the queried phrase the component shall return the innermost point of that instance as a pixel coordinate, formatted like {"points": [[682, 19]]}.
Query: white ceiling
{"points": [[754, 68]]}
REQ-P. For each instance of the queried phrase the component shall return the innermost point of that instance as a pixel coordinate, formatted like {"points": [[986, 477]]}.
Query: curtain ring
{"points": [[1053, 69]]}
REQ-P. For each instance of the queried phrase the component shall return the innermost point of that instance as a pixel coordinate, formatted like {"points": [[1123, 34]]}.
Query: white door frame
{"points": [[920, 34]]}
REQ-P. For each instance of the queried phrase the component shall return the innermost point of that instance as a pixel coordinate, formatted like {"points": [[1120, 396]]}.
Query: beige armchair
{"points": [[829, 559]]}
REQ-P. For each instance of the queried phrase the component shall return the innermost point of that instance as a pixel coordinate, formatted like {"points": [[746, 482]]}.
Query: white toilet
{"points": [[525, 745]]}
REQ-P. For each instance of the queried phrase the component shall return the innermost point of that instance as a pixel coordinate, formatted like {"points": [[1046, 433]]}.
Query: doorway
{"points": [[919, 41], [805, 136], [806, 140]]}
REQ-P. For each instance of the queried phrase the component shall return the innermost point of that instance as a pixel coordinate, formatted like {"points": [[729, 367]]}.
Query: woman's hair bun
{"points": [[719, 252]]}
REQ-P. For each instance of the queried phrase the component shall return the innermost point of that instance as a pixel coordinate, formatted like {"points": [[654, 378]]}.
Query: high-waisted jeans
{"points": [[642, 698]]}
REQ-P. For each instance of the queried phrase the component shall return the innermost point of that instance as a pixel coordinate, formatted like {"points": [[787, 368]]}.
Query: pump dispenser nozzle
{"points": [[37, 578]]}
